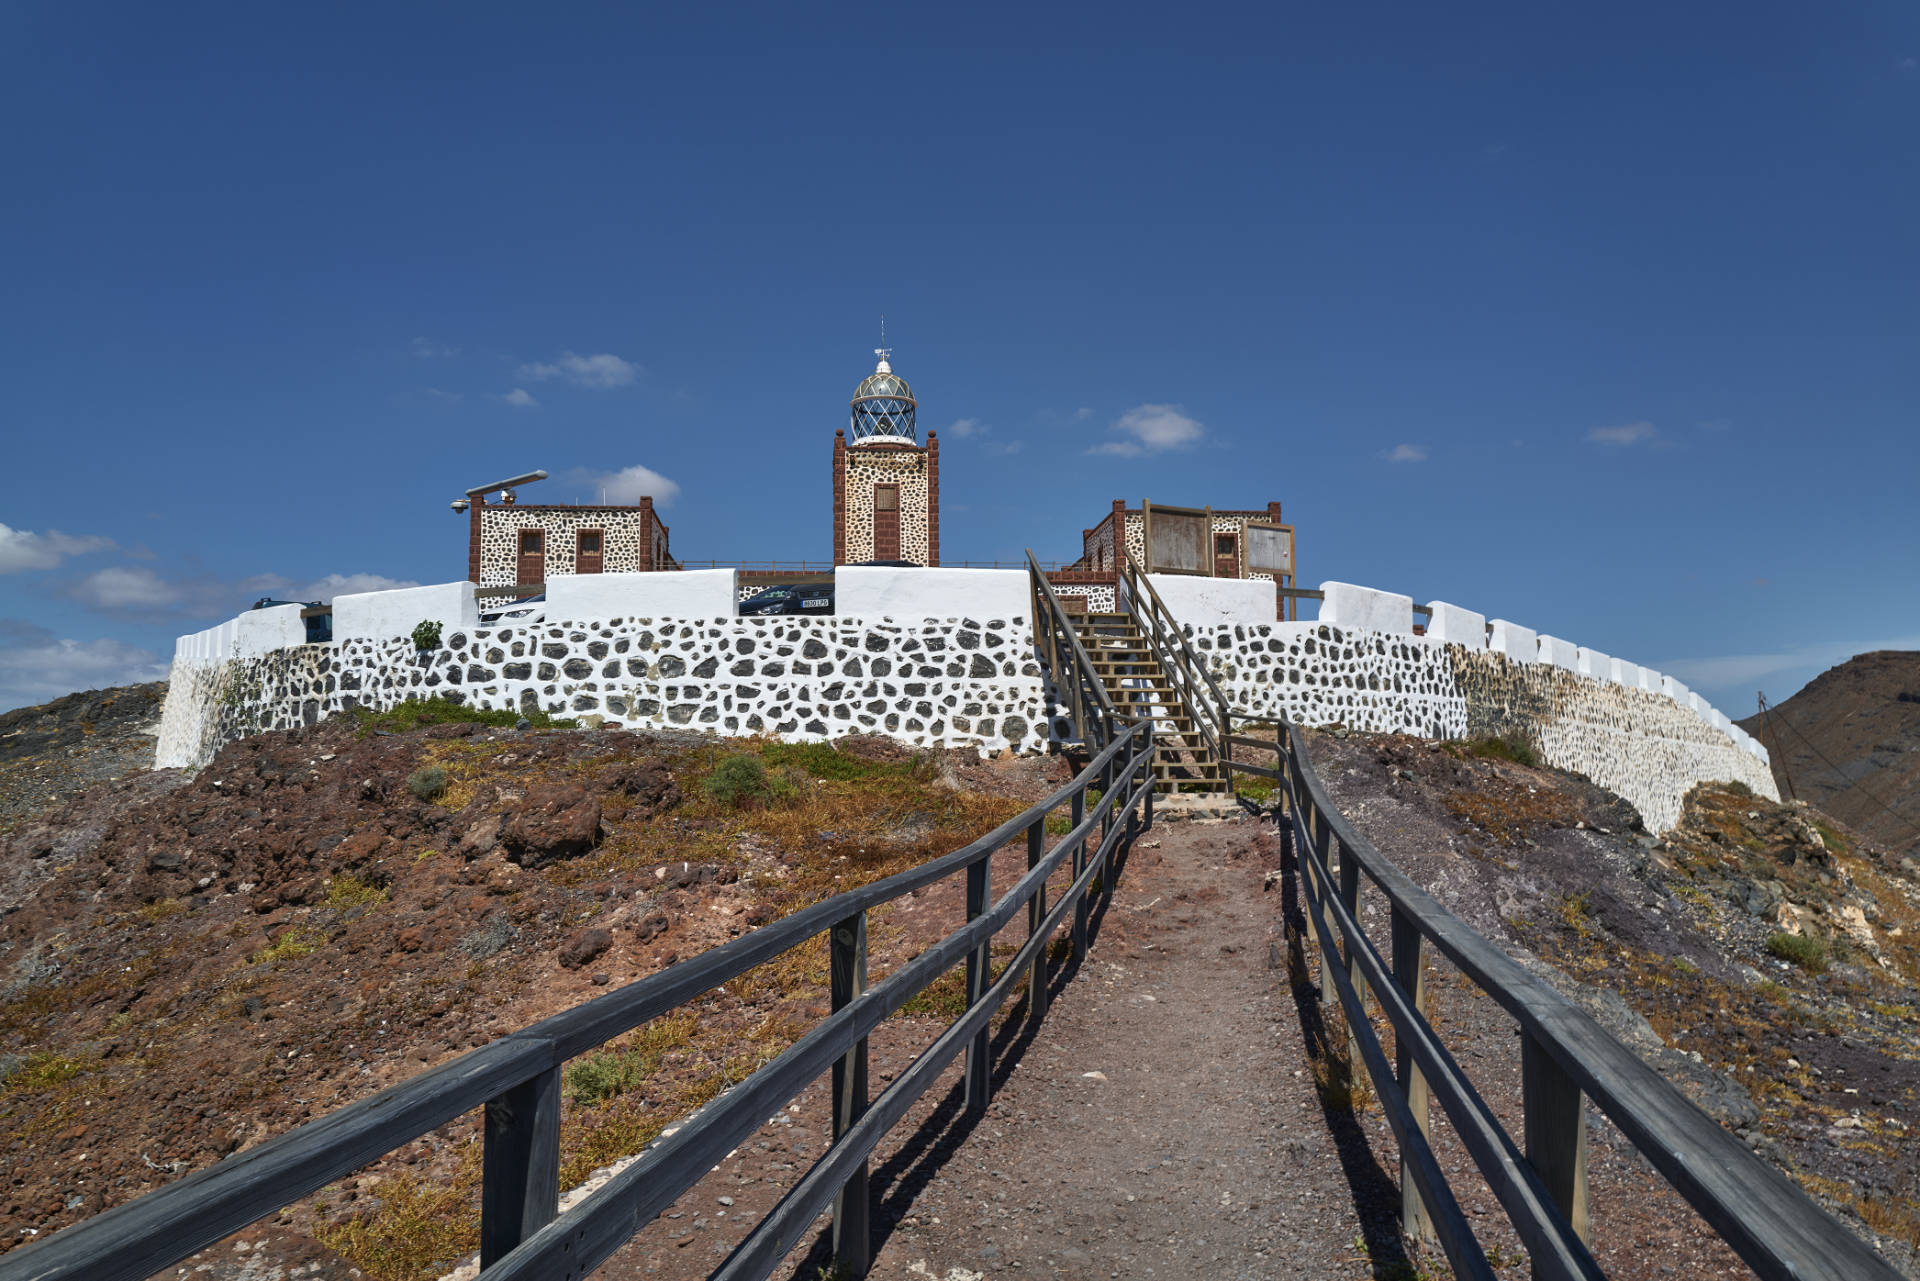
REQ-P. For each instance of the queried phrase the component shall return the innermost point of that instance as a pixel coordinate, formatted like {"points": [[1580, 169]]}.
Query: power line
{"points": [[1851, 784]]}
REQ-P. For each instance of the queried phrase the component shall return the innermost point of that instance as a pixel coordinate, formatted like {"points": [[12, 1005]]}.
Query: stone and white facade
{"points": [[631, 539]]}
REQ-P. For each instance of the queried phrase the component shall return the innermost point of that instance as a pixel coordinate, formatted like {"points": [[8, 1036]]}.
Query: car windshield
{"points": [[771, 595]]}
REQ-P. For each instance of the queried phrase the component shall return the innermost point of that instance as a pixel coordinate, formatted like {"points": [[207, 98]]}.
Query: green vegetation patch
{"points": [[429, 783], [348, 891], [606, 1073], [39, 1072], [1511, 746], [416, 712], [740, 781], [295, 942], [1803, 950]]}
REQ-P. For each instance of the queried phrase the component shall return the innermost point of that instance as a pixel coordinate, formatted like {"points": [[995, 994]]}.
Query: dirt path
{"points": [[1163, 1122]]}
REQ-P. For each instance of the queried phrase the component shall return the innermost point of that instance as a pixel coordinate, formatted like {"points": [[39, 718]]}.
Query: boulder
{"points": [[555, 821], [584, 947]]}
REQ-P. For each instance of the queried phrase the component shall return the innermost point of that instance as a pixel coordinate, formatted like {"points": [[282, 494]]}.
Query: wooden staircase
{"points": [[1134, 680]]}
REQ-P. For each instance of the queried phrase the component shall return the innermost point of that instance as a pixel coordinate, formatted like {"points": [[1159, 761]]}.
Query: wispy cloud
{"points": [[427, 349], [35, 665], [22, 549], [322, 589], [1623, 435], [521, 398], [1723, 670], [438, 393], [1407, 454], [966, 428], [602, 371], [128, 589], [628, 485], [1151, 429]]}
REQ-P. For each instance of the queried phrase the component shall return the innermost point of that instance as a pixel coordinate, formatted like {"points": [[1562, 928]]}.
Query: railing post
{"points": [[1144, 759], [979, 975], [847, 970], [520, 1165], [1077, 810], [1036, 913], [1350, 897], [1410, 976], [1556, 1132]]}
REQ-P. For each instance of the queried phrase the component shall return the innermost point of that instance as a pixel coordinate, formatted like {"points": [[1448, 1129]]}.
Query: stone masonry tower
{"points": [[886, 485]]}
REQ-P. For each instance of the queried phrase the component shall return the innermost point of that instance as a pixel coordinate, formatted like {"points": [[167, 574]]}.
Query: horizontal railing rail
{"points": [[1566, 1058], [516, 1080]]}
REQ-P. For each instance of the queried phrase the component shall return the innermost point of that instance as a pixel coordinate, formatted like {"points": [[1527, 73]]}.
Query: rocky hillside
{"points": [[1849, 743], [1764, 957], [188, 965], [54, 751]]}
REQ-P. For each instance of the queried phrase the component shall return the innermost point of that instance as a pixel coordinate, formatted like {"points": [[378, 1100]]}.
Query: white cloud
{"points": [[128, 588], [22, 549], [427, 349], [1407, 454], [965, 428], [1081, 414], [1151, 429], [604, 370], [628, 485], [36, 666], [1624, 434], [1734, 670], [521, 398]]}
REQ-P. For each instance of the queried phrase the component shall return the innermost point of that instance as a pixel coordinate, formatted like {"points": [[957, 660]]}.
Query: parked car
{"points": [[797, 598], [528, 609]]}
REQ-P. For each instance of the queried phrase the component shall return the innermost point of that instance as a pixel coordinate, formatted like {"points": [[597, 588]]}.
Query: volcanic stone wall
{"points": [[1642, 745], [954, 682]]}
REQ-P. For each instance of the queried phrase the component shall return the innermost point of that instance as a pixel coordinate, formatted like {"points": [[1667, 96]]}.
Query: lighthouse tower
{"points": [[886, 484]]}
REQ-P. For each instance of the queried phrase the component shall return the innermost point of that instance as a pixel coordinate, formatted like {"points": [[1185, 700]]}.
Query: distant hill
{"points": [[1850, 741]]}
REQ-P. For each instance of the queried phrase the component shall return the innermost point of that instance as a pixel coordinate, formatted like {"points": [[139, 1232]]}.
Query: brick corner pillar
{"points": [[933, 500], [473, 537], [646, 534], [1119, 509], [840, 496], [1273, 512]]}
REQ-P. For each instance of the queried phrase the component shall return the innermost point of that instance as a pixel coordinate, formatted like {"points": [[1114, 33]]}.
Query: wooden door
{"points": [[1226, 556], [886, 522], [533, 557], [589, 547]]}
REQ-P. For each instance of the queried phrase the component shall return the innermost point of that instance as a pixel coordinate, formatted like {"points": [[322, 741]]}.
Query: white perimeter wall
{"points": [[1209, 602], [873, 591], [696, 593]]}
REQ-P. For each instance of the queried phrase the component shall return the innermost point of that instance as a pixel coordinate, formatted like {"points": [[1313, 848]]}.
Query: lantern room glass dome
{"points": [[883, 406]]}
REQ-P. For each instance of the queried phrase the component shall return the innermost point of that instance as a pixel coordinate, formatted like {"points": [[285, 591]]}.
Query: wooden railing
{"points": [[1185, 669], [517, 1079], [1565, 1059], [1066, 660]]}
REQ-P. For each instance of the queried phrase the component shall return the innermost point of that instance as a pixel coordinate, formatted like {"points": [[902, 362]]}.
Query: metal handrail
{"points": [[1566, 1058], [1056, 638], [1212, 717], [517, 1079]]}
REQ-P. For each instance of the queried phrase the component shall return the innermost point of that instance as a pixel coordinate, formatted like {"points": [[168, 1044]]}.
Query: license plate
{"points": [[815, 604]]}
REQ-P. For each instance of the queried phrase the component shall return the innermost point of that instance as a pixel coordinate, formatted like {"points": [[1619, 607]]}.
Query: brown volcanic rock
{"points": [[1849, 743], [556, 821]]}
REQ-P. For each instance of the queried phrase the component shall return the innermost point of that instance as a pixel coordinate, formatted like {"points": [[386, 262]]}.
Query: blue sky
{"points": [[1603, 320]]}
